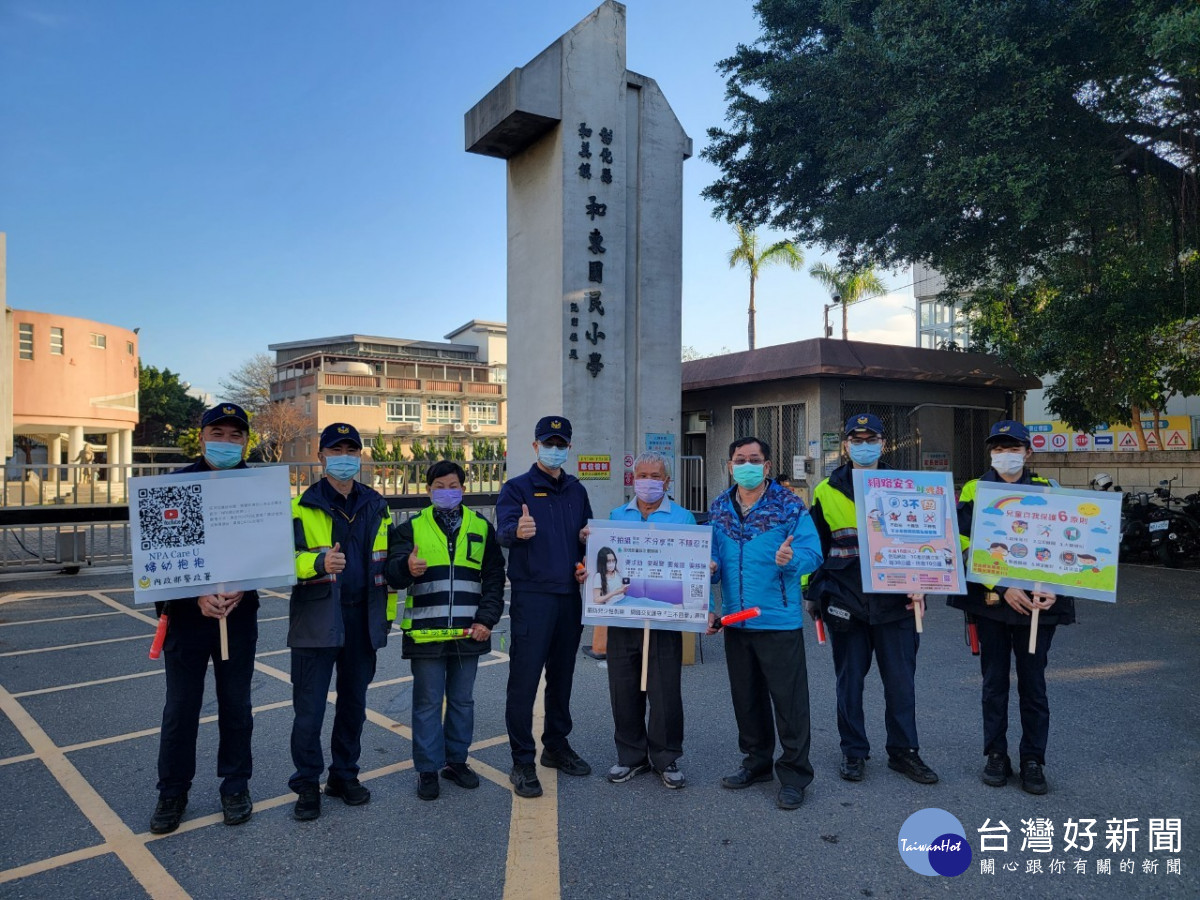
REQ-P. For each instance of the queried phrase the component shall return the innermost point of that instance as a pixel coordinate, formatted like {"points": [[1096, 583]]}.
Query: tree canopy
{"points": [[164, 406], [1040, 153]]}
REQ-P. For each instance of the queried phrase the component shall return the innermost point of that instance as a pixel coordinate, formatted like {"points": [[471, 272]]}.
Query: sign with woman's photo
{"points": [[647, 574], [1036, 537]]}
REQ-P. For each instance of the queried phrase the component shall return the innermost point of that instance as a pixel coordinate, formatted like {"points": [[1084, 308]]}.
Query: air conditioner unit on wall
{"points": [[474, 429], [459, 428]]}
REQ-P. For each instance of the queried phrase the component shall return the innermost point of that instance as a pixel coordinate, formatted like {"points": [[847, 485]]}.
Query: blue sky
{"points": [[224, 175]]}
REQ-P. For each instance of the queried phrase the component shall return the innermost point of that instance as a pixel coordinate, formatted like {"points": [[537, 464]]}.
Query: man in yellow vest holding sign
{"points": [[862, 623], [452, 566]]}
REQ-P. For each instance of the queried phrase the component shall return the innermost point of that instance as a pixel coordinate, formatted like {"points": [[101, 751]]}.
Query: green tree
{"points": [[165, 409], [1042, 156], [747, 253], [847, 286]]}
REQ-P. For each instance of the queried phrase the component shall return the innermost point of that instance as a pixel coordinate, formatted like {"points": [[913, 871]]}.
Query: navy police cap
{"points": [[225, 412], [1007, 428], [864, 422], [338, 432], [553, 426]]}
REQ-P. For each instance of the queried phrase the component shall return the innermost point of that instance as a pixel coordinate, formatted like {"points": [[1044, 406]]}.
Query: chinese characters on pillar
{"points": [[596, 210]]}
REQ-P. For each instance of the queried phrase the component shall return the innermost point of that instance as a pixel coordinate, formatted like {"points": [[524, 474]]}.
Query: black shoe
{"points": [[599, 657], [461, 774], [237, 807], [428, 787], [353, 793], [997, 770], [1033, 780], [743, 778], [910, 765], [853, 768], [566, 761], [308, 806], [789, 797], [168, 814], [525, 781]]}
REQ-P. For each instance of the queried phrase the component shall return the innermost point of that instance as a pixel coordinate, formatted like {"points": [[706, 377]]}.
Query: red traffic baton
{"points": [[160, 635], [733, 618], [973, 638], [820, 631]]}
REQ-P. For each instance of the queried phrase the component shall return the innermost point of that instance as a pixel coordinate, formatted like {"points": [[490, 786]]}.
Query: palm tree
{"points": [[848, 286], [747, 252]]}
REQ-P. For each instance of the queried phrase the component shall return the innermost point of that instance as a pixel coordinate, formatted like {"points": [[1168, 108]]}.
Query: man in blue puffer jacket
{"points": [[763, 542]]}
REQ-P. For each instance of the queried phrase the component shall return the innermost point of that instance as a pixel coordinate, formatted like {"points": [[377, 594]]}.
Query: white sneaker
{"points": [[619, 774], [672, 777]]}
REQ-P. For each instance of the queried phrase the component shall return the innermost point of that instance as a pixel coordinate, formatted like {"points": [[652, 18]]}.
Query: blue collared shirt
{"points": [[667, 513]]}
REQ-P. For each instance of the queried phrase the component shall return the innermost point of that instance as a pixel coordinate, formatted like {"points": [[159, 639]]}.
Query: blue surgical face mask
{"points": [[222, 455], [866, 455], [343, 468], [551, 457], [749, 475], [446, 498]]}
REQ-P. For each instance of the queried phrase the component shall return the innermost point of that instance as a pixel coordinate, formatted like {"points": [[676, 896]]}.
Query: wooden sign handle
{"points": [[1033, 627], [223, 626], [645, 655]]}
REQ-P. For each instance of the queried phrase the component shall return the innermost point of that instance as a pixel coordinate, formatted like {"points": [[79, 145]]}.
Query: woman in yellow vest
{"points": [[862, 623], [448, 559]]}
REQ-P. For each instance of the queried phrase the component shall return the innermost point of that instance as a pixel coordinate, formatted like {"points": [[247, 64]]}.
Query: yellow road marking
{"points": [[141, 863], [532, 870]]}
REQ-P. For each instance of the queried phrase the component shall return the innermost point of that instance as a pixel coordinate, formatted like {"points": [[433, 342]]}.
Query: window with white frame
{"points": [[99, 341], [404, 409], [25, 340], [129, 347], [442, 412], [56, 341], [498, 374], [483, 412], [350, 400]]}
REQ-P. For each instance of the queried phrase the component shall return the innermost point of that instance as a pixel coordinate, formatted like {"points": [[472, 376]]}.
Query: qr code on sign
{"points": [[171, 516], [697, 591]]}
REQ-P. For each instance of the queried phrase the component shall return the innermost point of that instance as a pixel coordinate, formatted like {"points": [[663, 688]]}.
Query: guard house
{"points": [[936, 406]]}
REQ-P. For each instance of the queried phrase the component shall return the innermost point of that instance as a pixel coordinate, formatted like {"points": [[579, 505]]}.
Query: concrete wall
{"points": [[1132, 471]]}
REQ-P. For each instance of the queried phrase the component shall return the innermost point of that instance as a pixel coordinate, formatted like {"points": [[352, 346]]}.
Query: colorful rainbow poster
{"points": [[908, 532], [1037, 537]]}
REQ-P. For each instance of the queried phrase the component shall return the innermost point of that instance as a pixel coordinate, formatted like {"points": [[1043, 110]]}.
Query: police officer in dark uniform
{"points": [[862, 623], [540, 517], [1002, 618], [193, 638], [337, 616]]}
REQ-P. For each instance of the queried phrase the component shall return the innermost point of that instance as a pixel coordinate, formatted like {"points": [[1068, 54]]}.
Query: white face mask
{"points": [[1008, 462]]}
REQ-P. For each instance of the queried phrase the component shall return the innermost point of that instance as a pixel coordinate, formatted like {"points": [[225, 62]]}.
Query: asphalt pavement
{"points": [[82, 704]]}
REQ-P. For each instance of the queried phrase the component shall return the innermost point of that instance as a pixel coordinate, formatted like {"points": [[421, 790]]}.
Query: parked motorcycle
{"points": [[1174, 534]]}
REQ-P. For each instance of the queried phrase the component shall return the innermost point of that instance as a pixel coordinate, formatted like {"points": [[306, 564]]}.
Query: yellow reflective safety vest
{"points": [[447, 594]]}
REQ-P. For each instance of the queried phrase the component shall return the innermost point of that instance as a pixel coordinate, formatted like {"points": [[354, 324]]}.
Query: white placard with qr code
{"points": [[641, 573], [211, 532]]}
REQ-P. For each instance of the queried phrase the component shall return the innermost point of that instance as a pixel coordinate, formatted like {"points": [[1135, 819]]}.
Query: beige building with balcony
{"points": [[406, 390]]}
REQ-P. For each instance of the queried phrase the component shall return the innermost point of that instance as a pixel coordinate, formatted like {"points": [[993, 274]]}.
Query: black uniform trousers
{"points": [[662, 742], [998, 645], [894, 645], [546, 629], [768, 669], [192, 640], [312, 668]]}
